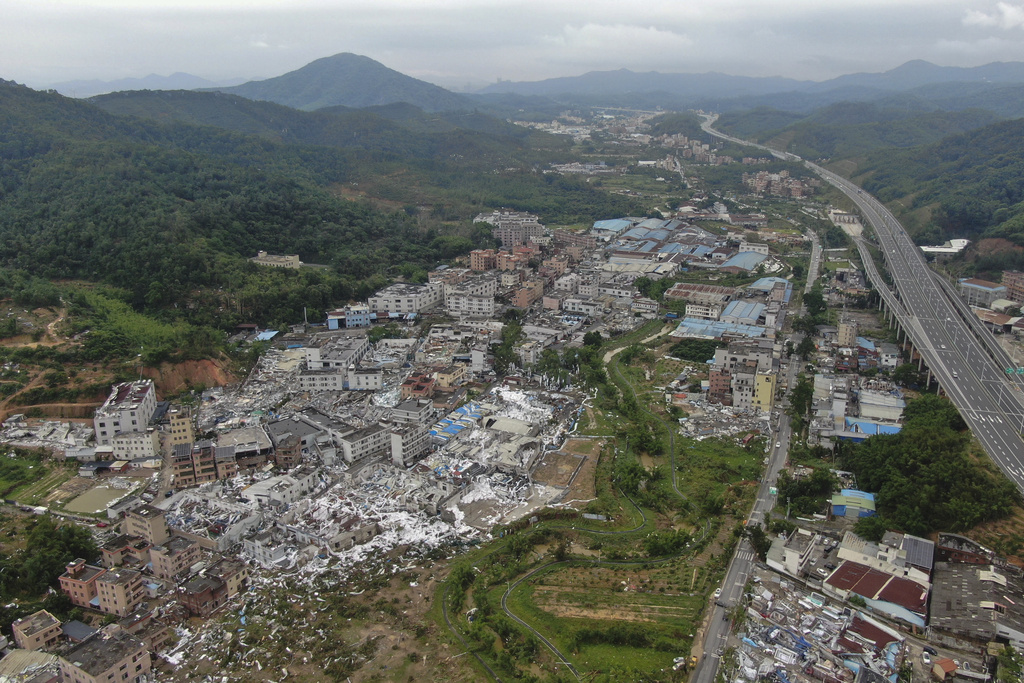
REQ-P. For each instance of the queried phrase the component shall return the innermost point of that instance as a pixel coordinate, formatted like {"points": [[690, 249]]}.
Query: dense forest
{"points": [[167, 213], [925, 478]]}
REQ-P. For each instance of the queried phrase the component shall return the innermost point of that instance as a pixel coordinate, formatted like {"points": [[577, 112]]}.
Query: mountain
{"points": [[626, 81], [917, 73], [348, 80], [176, 81], [398, 129]]}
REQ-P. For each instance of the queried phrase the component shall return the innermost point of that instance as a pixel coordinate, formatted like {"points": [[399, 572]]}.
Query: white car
{"points": [[778, 444], [718, 593], [925, 659]]}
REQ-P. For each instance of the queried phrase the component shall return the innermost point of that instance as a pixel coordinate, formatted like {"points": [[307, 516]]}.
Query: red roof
{"points": [[876, 585], [871, 633]]}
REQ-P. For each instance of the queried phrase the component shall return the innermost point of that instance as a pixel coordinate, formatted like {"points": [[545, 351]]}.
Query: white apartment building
{"points": [[703, 312], [406, 298], [141, 444], [128, 409], [338, 354], [584, 306], [470, 305], [365, 442], [408, 442]]}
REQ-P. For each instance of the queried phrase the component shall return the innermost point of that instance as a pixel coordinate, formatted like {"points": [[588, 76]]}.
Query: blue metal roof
{"points": [[612, 225], [747, 260], [266, 336]]}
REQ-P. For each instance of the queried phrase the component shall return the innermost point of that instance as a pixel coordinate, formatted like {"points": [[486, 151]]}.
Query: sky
{"points": [[464, 44]]}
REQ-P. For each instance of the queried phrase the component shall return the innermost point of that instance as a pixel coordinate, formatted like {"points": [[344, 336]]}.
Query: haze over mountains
{"points": [[356, 81]]}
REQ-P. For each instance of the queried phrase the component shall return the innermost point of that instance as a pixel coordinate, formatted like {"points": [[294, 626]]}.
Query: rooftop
{"points": [[98, 654], [36, 622]]}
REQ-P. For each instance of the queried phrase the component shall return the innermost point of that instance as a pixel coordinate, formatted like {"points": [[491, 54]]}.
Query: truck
{"points": [[671, 316]]}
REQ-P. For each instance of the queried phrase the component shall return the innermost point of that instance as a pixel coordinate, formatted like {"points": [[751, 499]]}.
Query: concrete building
{"points": [[979, 602], [106, 656], [365, 442], [1013, 280], [38, 631], [764, 391], [203, 595], [79, 583], [174, 557], [140, 444], [338, 354], [408, 442], [847, 336], [419, 411], [406, 298], [181, 427], [530, 292], [128, 408], [481, 260], [981, 293], [119, 591], [148, 522], [703, 311]]}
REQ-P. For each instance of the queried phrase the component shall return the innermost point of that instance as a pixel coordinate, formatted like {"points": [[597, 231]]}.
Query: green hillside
{"points": [[971, 184], [348, 80], [851, 129]]}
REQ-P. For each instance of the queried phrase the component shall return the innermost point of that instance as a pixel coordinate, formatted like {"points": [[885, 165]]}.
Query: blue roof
{"points": [[652, 223], [266, 336], [713, 329], [658, 235], [671, 248], [854, 493], [636, 233], [747, 260], [701, 250], [765, 284], [865, 344], [743, 309], [869, 428], [612, 225]]}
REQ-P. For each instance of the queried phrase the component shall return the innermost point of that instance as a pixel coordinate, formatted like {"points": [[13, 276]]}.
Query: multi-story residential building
{"points": [[204, 461], [356, 315], [131, 445], [332, 379], [764, 391], [530, 292], [106, 656], [511, 278], [406, 298], [180, 425], [463, 305], [125, 549], [419, 411], [337, 354], [408, 441], [417, 385], [481, 260], [182, 471], [262, 258], [587, 241], [551, 302], [119, 590], [1013, 280], [128, 409], [720, 386], [558, 264], [233, 573], [174, 557], [203, 595], [981, 293], [225, 461], [506, 260], [568, 283], [451, 376], [703, 311], [79, 582], [148, 522], [38, 631], [288, 453], [365, 379], [847, 336], [743, 381], [644, 306], [582, 306], [365, 442]]}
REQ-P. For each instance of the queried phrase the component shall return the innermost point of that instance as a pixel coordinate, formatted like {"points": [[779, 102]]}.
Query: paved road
{"points": [[742, 562], [967, 361]]}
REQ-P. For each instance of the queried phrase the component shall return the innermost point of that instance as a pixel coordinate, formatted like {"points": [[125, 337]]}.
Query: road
{"points": [[965, 358], [736, 575]]}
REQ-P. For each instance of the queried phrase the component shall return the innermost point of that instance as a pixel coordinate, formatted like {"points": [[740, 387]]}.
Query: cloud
{"points": [[1005, 16], [603, 37]]}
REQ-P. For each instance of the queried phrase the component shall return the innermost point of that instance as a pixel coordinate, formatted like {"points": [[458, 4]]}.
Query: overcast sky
{"points": [[459, 43]]}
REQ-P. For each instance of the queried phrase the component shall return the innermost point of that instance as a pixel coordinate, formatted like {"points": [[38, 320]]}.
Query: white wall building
{"points": [[128, 409]]}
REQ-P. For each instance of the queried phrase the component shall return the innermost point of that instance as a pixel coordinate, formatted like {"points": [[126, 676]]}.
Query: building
{"points": [[419, 411], [979, 602], [703, 311], [234, 574], [365, 442], [106, 656], [180, 427], [128, 408], [338, 354], [356, 315], [148, 522], [1013, 280], [853, 504], [408, 442], [462, 304], [136, 444], [79, 583], [38, 631], [764, 391], [125, 549], [407, 298], [847, 336], [481, 260], [451, 376], [203, 596], [893, 596], [262, 258], [980, 293], [119, 590], [530, 292], [174, 557], [696, 293]]}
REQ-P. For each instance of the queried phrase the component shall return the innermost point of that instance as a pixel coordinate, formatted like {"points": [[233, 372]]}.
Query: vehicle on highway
{"points": [[955, 376], [718, 593]]}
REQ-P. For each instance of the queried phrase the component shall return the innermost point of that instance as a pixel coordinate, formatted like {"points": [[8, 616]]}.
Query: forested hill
{"points": [[399, 130], [163, 209], [349, 80], [969, 185], [851, 129]]}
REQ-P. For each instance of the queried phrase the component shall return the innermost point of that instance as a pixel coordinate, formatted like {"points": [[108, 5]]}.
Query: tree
{"points": [[806, 348], [759, 539], [593, 338], [815, 302]]}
